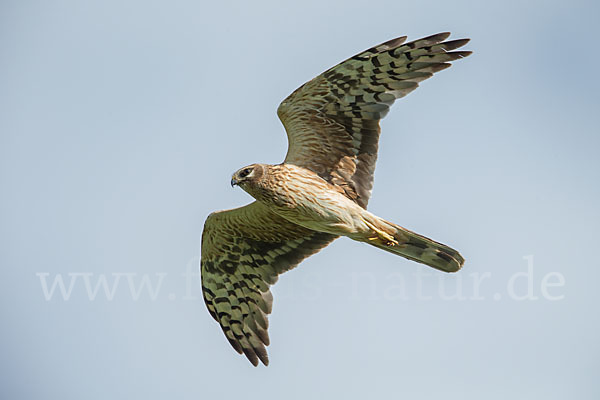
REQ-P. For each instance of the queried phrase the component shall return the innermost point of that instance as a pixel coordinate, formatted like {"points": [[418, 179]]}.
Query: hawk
{"points": [[321, 189]]}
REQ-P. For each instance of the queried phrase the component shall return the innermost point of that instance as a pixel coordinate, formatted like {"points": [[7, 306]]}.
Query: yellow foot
{"points": [[381, 235]]}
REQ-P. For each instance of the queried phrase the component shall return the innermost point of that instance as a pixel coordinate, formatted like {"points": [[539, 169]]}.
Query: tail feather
{"points": [[419, 248]]}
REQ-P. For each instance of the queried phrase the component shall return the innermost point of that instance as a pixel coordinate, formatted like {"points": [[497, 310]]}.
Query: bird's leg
{"points": [[388, 239]]}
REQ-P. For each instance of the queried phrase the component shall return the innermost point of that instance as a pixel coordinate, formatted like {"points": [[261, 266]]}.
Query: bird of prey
{"points": [[320, 191]]}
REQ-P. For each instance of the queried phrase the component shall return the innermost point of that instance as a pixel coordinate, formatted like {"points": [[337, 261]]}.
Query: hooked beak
{"points": [[233, 182]]}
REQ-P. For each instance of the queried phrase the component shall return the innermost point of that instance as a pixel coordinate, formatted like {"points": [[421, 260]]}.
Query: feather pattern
{"points": [[332, 121], [243, 252]]}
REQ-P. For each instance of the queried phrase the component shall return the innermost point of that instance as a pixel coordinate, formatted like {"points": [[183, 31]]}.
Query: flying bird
{"points": [[320, 191]]}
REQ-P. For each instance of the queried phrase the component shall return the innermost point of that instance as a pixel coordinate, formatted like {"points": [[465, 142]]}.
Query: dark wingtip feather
{"points": [[438, 37], [455, 44], [251, 356], [462, 54], [263, 335], [439, 67], [392, 43], [236, 346], [264, 357]]}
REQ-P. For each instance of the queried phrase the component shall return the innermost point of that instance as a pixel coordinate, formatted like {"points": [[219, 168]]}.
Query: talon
{"points": [[388, 239], [392, 242], [381, 235]]}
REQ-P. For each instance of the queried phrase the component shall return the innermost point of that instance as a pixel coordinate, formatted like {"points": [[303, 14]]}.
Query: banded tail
{"points": [[398, 240]]}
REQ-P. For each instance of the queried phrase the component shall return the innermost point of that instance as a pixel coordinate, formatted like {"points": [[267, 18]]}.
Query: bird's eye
{"points": [[245, 172]]}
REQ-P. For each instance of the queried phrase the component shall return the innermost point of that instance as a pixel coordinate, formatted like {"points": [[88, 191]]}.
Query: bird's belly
{"points": [[324, 211]]}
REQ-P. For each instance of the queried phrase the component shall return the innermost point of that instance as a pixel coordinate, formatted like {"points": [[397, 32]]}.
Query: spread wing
{"points": [[332, 121], [243, 252]]}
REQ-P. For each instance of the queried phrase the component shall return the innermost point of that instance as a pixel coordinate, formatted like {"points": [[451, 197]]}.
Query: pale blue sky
{"points": [[121, 122]]}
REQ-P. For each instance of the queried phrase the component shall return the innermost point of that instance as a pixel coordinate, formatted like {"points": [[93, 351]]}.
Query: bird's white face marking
{"points": [[246, 172], [242, 175]]}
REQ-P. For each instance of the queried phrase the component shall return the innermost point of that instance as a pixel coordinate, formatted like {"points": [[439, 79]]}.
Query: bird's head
{"points": [[247, 175]]}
